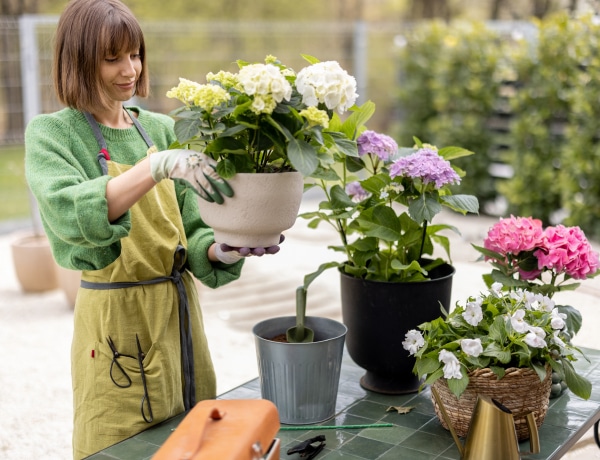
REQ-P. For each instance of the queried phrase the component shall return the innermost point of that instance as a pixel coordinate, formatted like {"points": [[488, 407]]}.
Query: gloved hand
{"points": [[196, 169], [230, 255]]}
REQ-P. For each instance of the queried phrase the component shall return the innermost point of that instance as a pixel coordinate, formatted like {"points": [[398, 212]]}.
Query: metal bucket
{"points": [[301, 379]]}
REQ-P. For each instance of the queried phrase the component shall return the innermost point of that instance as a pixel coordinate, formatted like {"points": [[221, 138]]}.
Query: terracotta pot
{"points": [[34, 265], [69, 281], [378, 315], [263, 206]]}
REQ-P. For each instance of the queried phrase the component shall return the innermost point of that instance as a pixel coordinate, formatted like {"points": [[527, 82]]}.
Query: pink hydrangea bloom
{"points": [[427, 165], [371, 142], [567, 250], [514, 235]]}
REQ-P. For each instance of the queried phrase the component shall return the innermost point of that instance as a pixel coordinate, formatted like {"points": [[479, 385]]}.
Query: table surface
{"points": [[417, 435]]}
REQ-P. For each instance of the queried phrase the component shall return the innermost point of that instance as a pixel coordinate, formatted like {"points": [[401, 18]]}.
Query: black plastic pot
{"points": [[378, 314]]}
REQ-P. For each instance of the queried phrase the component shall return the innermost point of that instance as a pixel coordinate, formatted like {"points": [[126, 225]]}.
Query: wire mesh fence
{"points": [[191, 50]]}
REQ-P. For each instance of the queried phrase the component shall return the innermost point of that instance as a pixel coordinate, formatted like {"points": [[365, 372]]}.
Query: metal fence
{"points": [[191, 50]]}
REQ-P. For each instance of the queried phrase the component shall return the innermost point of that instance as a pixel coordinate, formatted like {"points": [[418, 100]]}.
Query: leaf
{"points": [[380, 222], [400, 409], [308, 279], [424, 208], [340, 199], [451, 152], [458, 386], [576, 383], [186, 128], [302, 156], [461, 203], [574, 319]]}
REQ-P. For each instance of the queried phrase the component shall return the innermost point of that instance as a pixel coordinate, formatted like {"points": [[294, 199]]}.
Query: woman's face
{"points": [[119, 74]]}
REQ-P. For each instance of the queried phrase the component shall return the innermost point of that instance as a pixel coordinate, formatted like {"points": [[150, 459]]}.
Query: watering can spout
{"points": [[492, 434], [438, 400]]}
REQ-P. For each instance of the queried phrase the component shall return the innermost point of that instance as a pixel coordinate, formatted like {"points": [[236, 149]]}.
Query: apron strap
{"points": [[141, 130]]}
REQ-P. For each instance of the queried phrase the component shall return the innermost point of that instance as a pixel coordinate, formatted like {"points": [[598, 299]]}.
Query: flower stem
{"points": [[423, 238]]}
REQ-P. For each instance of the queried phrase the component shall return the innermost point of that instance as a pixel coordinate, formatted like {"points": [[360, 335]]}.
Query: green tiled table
{"points": [[413, 436]]}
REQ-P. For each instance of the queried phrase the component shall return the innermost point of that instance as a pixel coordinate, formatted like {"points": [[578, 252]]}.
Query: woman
{"points": [[139, 353]]}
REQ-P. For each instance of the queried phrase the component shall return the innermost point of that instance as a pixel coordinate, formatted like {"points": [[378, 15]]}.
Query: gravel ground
{"points": [[36, 329]]}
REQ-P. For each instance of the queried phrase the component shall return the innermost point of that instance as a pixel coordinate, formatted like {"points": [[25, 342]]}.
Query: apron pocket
{"points": [[119, 409]]}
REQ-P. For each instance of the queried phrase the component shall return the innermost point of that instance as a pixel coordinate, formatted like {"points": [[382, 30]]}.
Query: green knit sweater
{"points": [[65, 177]]}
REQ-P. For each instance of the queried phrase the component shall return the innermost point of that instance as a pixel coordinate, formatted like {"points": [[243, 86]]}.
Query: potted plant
{"points": [[34, 265], [264, 119], [524, 255], [502, 344], [299, 362], [382, 204]]}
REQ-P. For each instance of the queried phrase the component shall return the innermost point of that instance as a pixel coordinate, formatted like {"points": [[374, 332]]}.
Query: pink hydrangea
{"points": [[427, 165], [567, 250], [371, 142], [514, 235]]}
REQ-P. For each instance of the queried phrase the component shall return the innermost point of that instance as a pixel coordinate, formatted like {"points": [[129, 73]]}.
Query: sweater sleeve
{"points": [[67, 182]]}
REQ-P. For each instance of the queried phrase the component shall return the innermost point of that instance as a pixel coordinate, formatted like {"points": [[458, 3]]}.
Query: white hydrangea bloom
{"points": [[471, 347], [327, 83], [451, 365], [413, 341], [266, 83]]}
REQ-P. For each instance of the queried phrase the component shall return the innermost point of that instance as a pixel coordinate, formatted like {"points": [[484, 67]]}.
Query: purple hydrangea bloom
{"points": [[377, 144], [426, 165], [356, 192]]}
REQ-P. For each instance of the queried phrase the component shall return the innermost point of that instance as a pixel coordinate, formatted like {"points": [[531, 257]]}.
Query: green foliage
{"points": [[13, 187], [527, 102], [449, 80]]}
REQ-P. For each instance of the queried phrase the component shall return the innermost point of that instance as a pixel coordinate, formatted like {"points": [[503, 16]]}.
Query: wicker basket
{"points": [[520, 390]]}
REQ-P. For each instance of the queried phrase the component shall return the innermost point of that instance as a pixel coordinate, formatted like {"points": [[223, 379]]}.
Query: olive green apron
{"points": [[148, 293]]}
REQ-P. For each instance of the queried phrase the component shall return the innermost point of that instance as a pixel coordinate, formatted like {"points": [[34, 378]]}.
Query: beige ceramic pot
{"points": [[69, 281], [33, 262], [263, 206]]}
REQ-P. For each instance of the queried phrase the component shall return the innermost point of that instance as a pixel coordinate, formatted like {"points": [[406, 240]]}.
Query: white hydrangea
{"points": [[327, 83], [266, 83]]}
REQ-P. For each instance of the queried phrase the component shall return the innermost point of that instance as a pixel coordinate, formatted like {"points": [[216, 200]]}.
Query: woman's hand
{"points": [[195, 169], [229, 255]]}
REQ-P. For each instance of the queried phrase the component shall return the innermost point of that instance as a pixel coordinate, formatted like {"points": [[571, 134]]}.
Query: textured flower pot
{"points": [[378, 314], [34, 265], [263, 206], [301, 379]]}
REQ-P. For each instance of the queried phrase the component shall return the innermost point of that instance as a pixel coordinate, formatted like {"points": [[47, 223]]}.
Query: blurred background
{"points": [[516, 81]]}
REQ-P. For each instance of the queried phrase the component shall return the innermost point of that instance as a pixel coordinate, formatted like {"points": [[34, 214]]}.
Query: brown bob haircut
{"points": [[89, 31]]}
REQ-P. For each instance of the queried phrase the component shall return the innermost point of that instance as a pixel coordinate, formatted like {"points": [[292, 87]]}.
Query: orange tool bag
{"points": [[220, 429]]}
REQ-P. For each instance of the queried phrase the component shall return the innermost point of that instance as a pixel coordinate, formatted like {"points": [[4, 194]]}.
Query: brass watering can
{"points": [[492, 434]]}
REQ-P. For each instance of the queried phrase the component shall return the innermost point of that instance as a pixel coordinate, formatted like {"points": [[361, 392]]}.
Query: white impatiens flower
{"points": [[546, 303], [535, 337], [496, 289], [473, 313], [517, 321], [557, 320], [327, 83], [451, 365], [413, 341], [471, 347]]}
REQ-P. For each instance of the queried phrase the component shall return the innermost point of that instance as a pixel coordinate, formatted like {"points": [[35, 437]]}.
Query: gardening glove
{"points": [[195, 169], [230, 255]]}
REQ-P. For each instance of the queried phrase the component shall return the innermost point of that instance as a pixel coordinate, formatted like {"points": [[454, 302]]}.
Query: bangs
{"points": [[120, 34]]}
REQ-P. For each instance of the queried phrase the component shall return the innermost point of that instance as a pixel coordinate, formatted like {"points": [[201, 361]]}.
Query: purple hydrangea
{"points": [[356, 192], [426, 165], [370, 142]]}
